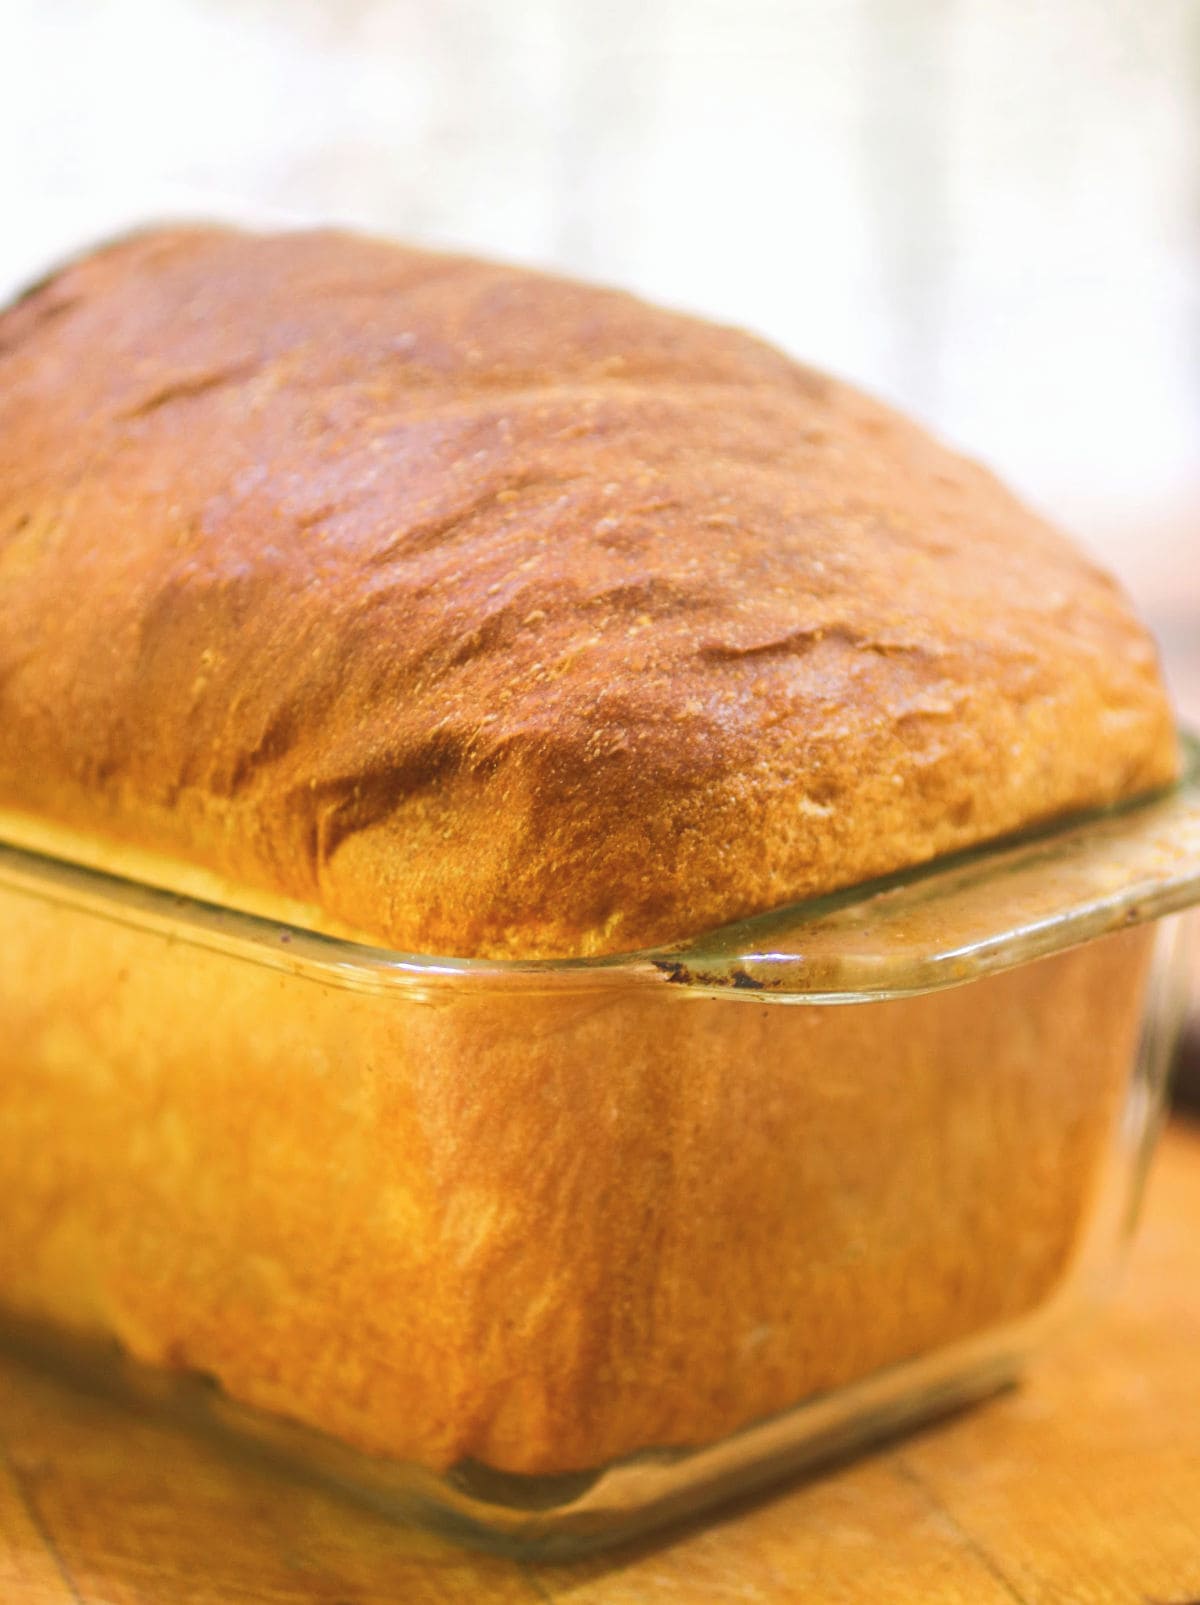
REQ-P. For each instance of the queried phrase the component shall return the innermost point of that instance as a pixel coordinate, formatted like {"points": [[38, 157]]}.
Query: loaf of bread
{"points": [[483, 613], [475, 612]]}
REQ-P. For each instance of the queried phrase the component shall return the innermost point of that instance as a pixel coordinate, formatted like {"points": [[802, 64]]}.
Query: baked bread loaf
{"points": [[475, 611]]}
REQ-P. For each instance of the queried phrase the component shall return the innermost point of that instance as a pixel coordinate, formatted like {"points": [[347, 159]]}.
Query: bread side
{"points": [[537, 1231], [485, 612]]}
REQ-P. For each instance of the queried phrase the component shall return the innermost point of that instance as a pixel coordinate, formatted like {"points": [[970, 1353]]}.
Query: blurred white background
{"points": [[985, 210]]}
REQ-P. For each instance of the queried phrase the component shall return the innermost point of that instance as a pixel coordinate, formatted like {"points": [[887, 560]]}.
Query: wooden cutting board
{"points": [[1082, 1487]]}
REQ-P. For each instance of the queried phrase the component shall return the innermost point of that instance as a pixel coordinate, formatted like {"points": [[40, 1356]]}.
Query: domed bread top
{"points": [[484, 612]]}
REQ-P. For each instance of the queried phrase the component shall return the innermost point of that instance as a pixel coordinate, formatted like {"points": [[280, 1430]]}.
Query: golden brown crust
{"points": [[492, 613]]}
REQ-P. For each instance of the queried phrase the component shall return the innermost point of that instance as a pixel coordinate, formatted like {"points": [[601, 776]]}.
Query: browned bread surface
{"points": [[492, 613]]}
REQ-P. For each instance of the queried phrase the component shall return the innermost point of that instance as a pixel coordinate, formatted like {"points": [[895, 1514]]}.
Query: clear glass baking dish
{"points": [[549, 1253]]}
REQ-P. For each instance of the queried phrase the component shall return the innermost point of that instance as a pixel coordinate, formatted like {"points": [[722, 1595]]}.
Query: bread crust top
{"points": [[495, 614]]}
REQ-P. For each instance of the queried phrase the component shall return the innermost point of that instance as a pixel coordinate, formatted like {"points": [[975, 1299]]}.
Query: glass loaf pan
{"points": [[547, 1253]]}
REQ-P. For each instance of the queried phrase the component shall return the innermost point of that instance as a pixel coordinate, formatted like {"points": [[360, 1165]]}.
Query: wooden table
{"points": [[1080, 1488]]}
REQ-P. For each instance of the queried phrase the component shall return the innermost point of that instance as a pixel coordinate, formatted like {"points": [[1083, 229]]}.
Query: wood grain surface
{"points": [[1082, 1487]]}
